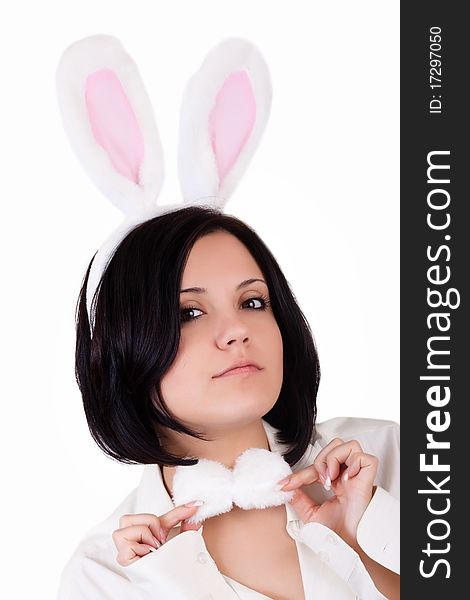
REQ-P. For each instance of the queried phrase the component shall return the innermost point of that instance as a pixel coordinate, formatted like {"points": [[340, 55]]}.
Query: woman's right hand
{"points": [[140, 533]]}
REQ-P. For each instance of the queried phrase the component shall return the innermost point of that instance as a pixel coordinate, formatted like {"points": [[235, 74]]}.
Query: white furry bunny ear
{"points": [[109, 120], [224, 112]]}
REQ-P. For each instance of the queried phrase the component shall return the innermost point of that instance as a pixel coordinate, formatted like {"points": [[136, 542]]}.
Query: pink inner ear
{"points": [[231, 120], [113, 123]]}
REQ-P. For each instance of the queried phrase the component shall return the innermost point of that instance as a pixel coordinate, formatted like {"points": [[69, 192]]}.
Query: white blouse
{"points": [[319, 580], [183, 569]]}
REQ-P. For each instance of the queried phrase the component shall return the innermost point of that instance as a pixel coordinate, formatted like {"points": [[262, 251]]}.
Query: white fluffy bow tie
{"points": [[252, 483]]}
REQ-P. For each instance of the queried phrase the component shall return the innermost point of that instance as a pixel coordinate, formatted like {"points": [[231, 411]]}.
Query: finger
{"points": [[340, 455], [159, 526], [186, 526], [304, 506], [305, 476], [134, 533], [148, 519], [131, 553], [320, 462], [174, 516], [360, 461]]}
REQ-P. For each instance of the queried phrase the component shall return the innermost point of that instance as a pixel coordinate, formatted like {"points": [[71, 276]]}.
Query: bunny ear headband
{"points": [[109, 121]]}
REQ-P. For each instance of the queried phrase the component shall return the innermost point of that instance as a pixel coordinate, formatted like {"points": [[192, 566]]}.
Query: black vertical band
{"points": [[435, 257]]}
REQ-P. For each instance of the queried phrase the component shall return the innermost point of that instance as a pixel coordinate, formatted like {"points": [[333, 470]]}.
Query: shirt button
{"points": [[331, 539], [202, 558], [323, 556]]}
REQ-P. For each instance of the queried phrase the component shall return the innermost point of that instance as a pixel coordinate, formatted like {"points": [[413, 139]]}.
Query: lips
{"points": [[237, 365]]}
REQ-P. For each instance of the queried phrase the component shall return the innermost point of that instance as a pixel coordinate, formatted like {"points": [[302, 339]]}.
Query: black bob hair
{"points": [[137, 331]]}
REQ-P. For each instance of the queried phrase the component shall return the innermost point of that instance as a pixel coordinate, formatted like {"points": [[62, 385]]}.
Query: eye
{"points": [[264, 300], [184, 315]]}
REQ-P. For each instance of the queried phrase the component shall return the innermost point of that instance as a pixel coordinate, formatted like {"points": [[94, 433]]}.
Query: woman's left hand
{"points": [[350, 472]]}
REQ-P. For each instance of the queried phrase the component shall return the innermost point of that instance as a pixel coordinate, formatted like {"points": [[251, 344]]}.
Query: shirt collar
{"points": [[152, 496]]}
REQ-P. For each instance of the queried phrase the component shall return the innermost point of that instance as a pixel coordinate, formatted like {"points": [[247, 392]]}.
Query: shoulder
{"points": [[349, 427], [91, 568], [93, 562]]}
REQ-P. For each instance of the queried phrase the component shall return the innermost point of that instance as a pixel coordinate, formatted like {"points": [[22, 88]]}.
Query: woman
{"points": [[167, 312], [149, 384]]}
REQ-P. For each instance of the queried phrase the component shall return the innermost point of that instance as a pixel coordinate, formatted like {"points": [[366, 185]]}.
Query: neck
{"points": [[225, 446]]}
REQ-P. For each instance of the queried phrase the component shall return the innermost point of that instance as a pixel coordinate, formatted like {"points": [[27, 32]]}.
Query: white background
{"points": [[322, 191]]}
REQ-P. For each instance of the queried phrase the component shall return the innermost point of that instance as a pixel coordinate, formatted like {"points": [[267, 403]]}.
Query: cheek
{"points": [[270, 351], [182, 381], [278, 350], [273, 344]]}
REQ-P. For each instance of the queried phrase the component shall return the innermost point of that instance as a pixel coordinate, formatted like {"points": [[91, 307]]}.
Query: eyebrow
{"points": [[245, 283]]}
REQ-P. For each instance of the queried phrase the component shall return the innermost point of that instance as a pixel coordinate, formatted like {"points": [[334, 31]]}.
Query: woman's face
{"points": [[219, 327]]}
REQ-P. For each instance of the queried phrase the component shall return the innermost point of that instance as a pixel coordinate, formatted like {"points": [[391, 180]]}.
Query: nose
{"points": [[234, 341], [236, 332]]}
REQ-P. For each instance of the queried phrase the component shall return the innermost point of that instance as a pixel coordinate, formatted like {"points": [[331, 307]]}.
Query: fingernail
{"points": [[162, 535], [157, 543], [194, 503], [327, 484], [284, 482], [346, 476]]}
